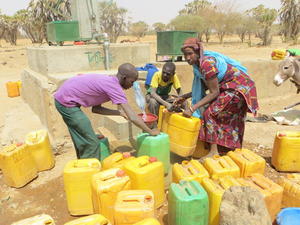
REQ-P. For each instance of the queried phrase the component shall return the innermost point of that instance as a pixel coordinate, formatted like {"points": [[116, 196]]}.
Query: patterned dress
{"points": [[224, 120]]}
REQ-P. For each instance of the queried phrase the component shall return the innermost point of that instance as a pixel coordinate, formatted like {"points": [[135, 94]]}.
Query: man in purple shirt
{"points": [[92, 90]]}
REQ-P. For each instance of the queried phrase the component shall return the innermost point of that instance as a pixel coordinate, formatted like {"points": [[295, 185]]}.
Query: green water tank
{"points": [[155, 146], [188, 204], [60, 31], [170, 42]]}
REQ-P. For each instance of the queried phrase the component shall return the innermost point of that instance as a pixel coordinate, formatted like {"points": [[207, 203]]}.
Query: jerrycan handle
{"points": [[188, 192], [192, 170], [80, 164], [48, 222], [122, 156]]}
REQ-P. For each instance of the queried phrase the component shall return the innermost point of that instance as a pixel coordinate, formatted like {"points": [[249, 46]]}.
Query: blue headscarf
{"points": [[222, 61]]}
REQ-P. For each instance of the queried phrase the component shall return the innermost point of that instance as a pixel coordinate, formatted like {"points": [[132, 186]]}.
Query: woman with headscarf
{"points": [[231, 94]]}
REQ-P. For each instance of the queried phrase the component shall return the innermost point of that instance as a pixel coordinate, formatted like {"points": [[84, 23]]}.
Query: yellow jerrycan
{"points": [[148, 221], [105, 187], [77, 184], [215, 190], [183, 133], [221, 166], [271, 191], [39, 146], [42, 219], [17, 165], [146, 173], [285, 155], [291, 190], [133, 206], [95, 219], [189, 170], [248, 161], [116, 160], [12, 89]]}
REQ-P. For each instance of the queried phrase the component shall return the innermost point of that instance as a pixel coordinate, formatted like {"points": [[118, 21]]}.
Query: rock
{"points": [[243, 206]]}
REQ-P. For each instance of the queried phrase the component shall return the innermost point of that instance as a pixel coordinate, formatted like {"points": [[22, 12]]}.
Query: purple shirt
{"points": [[90, 90]]}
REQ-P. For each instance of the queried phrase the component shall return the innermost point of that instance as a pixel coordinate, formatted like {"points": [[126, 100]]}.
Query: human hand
{"points": [[187, 113], [179, 100], [154, 132], [169, 106], [123, 115]]}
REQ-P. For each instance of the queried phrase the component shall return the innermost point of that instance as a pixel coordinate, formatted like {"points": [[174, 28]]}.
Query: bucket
{"points": [[150, 119]]}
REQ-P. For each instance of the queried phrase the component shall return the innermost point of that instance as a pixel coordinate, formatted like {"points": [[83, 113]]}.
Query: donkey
{"points": [[289, 68]]}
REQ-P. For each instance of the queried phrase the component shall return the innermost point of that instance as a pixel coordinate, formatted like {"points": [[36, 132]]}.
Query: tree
{"points": [[188, 22], [39, 13], [159, 27], [139, 29], [264, 17], [246, 26], [9, 28], [289, 15], [205, 11], [112, 19], [197, 7]]}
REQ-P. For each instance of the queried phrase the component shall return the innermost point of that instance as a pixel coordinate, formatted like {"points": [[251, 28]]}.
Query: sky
{"points": [[149, 11]]}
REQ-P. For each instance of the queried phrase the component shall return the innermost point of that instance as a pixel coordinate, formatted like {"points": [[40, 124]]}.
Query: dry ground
{"points": [[45, 194]]}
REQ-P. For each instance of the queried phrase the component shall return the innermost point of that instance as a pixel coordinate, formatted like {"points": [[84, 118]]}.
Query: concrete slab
{"points": [[72, 59], [121, 128]]}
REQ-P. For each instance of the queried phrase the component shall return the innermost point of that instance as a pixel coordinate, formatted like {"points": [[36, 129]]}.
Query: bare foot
{"points": [[210, 154]]}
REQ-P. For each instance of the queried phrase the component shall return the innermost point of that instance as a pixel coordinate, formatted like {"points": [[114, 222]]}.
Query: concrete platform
{"points": [[60, 59], [47, 71]]}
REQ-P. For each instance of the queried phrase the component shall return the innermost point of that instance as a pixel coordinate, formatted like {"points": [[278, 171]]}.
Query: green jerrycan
{"points": [[188, 204], [155, 146]]}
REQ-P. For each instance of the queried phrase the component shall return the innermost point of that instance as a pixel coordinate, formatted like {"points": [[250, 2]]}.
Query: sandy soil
{"points": [[45, 194]]}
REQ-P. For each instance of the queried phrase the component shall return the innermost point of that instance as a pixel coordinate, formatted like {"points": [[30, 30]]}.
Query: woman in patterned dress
{"points": [[231, 94]]}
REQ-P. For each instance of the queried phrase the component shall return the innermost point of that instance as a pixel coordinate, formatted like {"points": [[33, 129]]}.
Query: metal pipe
{"points": [[106, 43]]}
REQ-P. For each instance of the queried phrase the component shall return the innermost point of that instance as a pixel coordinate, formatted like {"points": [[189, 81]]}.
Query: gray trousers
{"points": [[153, 105]]}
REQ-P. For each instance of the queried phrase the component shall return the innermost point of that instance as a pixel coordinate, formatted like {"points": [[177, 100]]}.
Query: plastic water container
{"points": [[289, 216], [164, 120], [95, 219], [42, 219], [133, 206], [148, 221], [183, 133], [248, 161], [17, 165], [12, 89], [160, 116], [215, 190], [286, 151], [189, 170], [188, 204], [104, 149], [146, 173], [291, 190], [117, 160], [221, 166], [271, 191], [39, 146], [139, 97], [77, 183], [155, 146], [105, 187]]}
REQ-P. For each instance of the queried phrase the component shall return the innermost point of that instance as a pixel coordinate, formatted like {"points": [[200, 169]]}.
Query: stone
{"points": [[243, 205]]}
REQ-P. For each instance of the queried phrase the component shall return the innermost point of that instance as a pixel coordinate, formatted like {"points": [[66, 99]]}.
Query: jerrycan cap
{"points": [[148, 198], [126, 154], [120, 173], [281, 135], [152, 159], [100, 136], [19, 144]]}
